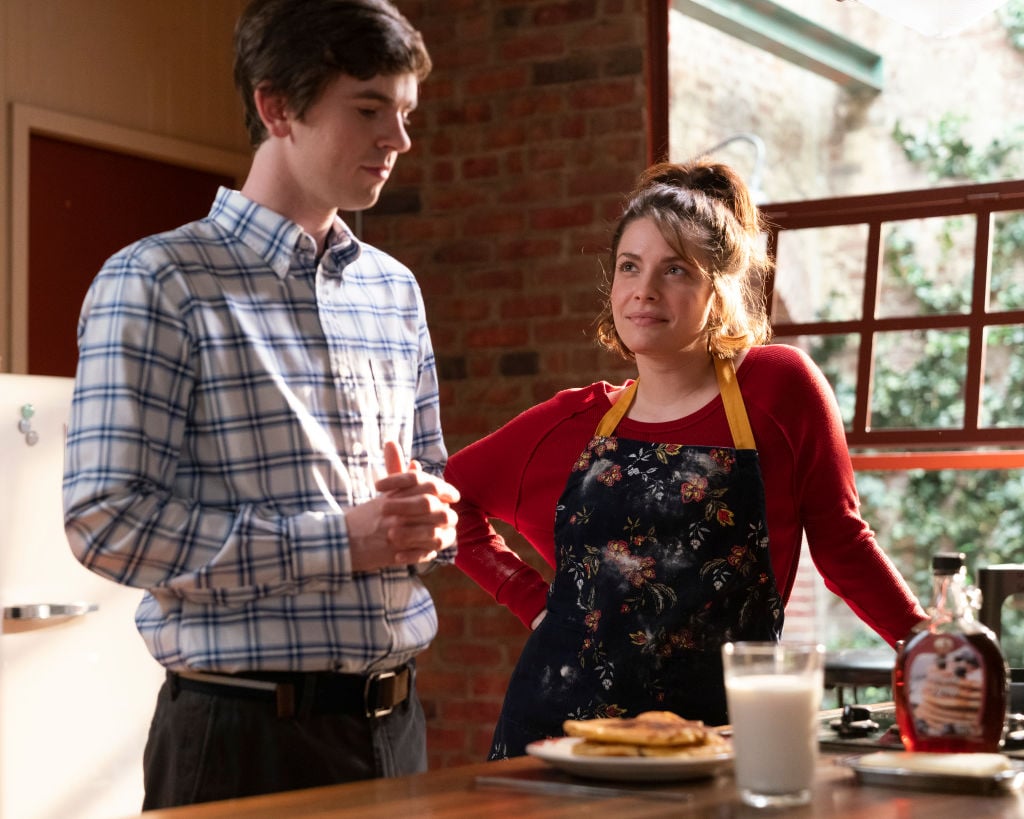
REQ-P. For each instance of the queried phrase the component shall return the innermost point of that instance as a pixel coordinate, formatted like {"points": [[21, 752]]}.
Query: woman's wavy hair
{"points": [[707, 216]]}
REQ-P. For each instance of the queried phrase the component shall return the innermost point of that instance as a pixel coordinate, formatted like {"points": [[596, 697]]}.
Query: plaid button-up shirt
{"points": [[232, 398]]}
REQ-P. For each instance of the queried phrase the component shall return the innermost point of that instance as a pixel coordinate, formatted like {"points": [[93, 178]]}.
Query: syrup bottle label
{"points": [[945, 687]]}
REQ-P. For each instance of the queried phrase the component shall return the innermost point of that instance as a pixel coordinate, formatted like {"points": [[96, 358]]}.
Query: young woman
{"points": [[672, 508]]}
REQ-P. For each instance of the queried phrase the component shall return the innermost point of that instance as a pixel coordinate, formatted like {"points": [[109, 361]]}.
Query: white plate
{"points": [[1012, 779], [558, 752]]}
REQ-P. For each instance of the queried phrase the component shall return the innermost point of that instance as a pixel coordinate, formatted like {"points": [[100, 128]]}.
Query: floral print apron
{"points": [[662, 553]]}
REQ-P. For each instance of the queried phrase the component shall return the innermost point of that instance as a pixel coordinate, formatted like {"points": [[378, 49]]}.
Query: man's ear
{"points": [[273, 110]]}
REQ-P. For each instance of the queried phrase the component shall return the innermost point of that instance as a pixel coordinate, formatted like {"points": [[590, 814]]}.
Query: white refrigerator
{"points": [[77, 686]]}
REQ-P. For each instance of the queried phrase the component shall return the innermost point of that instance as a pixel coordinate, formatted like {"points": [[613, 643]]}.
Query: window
{"points": [[920, 327], [899, 244], [913, 305]]}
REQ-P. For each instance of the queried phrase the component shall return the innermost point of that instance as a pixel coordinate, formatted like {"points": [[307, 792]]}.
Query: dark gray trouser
{"points": [[203, 747]]}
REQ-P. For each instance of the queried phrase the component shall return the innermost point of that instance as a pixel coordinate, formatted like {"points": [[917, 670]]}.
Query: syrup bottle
{"points": [[950, 677]]}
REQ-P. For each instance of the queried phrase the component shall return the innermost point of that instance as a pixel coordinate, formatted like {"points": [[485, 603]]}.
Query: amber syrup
{"points": [[950, 692]]}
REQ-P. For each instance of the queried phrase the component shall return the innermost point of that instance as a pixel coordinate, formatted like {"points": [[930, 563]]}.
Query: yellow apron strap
{"points": [[735, 410], [617, 412]]}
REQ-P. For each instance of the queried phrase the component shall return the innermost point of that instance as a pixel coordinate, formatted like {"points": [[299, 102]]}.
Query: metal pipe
{"points": [[759, 154]]}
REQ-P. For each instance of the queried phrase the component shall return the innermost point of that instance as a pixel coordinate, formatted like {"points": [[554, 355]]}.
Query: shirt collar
{"points": [[276, 239]]}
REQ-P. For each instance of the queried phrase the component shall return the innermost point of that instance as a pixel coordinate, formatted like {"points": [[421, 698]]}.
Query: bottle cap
{"points": [[948, 562]]}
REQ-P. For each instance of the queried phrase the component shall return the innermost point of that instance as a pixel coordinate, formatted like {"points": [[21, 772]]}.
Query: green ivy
{"points": [[1012, 17], [921, 512], [942, 150]]}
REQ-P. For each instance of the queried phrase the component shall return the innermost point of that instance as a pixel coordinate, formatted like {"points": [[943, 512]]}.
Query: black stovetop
{"points": [[834, 736]]}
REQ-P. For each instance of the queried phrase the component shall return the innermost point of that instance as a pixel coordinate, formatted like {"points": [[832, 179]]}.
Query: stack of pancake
{"points": [[651, 733], [950, 704]]}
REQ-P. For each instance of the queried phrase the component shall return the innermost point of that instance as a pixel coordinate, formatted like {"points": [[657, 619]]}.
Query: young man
{"points": [[247, 386]]}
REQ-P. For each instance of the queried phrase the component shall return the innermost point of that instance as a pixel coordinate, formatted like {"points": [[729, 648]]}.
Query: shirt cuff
{"points": [[525, 593], [319, 546]]}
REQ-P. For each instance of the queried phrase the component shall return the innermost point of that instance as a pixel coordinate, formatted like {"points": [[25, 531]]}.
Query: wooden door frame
{"points": [[27, 120]]}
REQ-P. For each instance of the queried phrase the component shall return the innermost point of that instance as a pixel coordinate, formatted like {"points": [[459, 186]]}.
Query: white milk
{"points": [[774, 721]]}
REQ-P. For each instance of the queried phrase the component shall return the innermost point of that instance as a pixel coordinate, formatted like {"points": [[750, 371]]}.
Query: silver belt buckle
{"points": [[371, 678]]}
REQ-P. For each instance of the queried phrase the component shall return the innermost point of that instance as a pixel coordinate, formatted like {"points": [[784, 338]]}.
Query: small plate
{"points": [[558, 752], [1009, 780]]}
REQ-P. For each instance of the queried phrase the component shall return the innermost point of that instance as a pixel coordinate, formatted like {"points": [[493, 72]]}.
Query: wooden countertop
{"points": [[454, 792]]}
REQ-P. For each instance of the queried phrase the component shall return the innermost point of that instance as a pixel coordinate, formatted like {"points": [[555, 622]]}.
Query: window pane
{"points": [[1002, 393], [819, 274], [837, 357], [927, 266], [916, 513], [1007, 285], [919, 379], [945, 115]]}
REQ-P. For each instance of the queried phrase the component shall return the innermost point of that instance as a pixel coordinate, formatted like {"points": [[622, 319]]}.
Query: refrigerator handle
{"points": [[42, 615]]}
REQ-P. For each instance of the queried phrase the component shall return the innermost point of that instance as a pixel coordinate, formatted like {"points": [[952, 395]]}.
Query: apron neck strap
{"points": [[617, 412], [735, 411]]}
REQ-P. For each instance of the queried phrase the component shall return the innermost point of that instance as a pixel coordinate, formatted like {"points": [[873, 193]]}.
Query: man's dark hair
{"points": [[296, 47]]}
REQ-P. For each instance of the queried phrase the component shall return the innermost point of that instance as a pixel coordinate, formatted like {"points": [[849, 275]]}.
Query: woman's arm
{"points": [[517, 475]]}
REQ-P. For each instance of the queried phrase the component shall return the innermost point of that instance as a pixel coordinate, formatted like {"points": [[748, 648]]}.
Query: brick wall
{"points": [[530, 130]]}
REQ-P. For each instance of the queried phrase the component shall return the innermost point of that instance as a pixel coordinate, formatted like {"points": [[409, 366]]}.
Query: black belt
{"points": [[320, 692]]}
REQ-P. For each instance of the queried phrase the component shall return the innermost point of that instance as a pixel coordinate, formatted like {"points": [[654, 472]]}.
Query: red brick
{"points": [[483, 685], [503, 394], [472, 655], [473, 425], [597, 182], [585, 303], [457, 60], [513, 164], [538, 101], [531, 46], [432, 93], [469, 309], [551, 14], [463, 252], [465, 114], [502, 623], [469, 711], [441, 738], [505, 335], [547, 159], [610, 31], [556, 218], [528, 248], [460, 591], [442, 172], [456, 197], [573, 127], [528, 188], [504, 135], [480, 167], [481, 740], [528, 307], [605, 94], [566, 329], [496, 80], [449, 683], [490, 222], [498, 279], [482, 364]]}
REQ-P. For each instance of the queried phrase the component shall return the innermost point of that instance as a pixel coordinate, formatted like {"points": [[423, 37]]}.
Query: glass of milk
{"points": [[774, 693]]}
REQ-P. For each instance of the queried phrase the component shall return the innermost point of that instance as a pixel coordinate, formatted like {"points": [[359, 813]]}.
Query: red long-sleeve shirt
{"points": [[517, 475]]}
